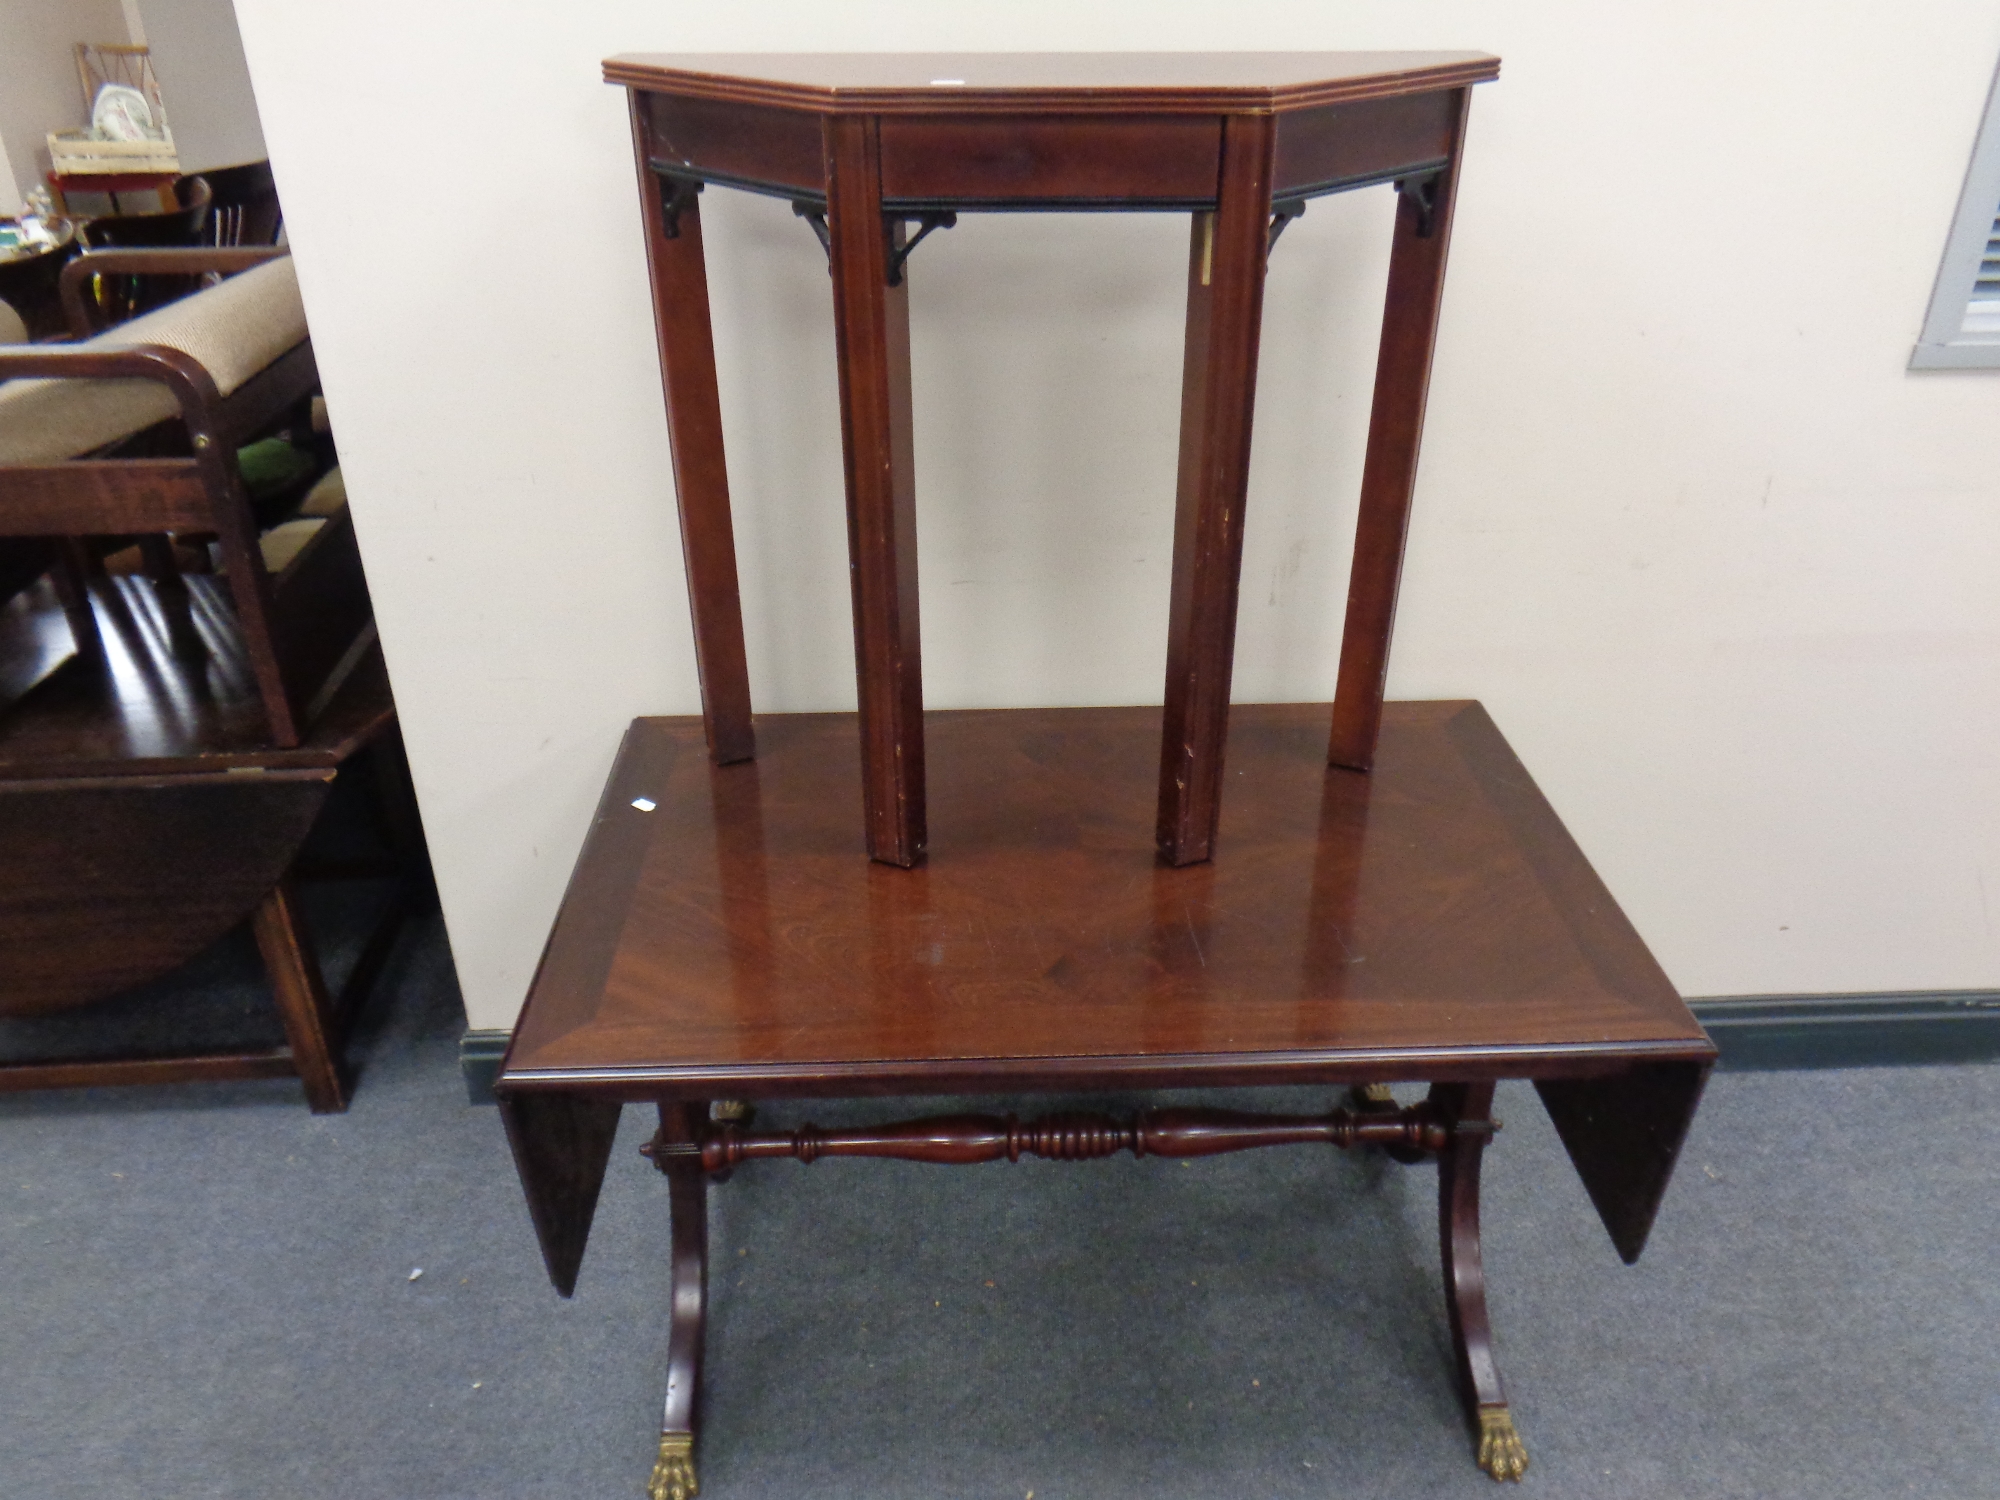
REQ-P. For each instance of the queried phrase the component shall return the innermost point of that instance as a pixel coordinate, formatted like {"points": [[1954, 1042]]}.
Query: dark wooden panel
{"points": [[104, 497], [103, 887], [561, 1145], [1346, 143], [35, 639], [1017, 160], [172, 694], [1623, 1135], [1397, 924], [750, 145]]}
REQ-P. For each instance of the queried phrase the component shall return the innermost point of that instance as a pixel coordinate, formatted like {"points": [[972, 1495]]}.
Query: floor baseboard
{"points": [[479, 1054], [1899, 1028], [1853, 1031]]}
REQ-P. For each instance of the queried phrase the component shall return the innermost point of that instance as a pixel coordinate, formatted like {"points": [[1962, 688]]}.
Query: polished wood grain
{"points": [[1009, 161], [671, 214], [883, 83], [1389, 471], [899, 135], [106, 497], [1218, 388], [1341, 145], [36, 636], [871, 325], [1430, 920], [173, 692], [745, 145]]}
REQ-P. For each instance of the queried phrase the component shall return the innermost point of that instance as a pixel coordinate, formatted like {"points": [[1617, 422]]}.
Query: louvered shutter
{"points": [[1962, 329]]}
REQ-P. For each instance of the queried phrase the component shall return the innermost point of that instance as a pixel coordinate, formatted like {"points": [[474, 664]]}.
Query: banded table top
{"points": [[725, 931]]}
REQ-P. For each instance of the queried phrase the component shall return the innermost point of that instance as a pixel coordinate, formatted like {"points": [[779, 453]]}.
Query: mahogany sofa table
{"points": [[1062, 899]]}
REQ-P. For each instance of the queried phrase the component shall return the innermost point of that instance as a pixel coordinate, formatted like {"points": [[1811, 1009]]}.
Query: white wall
{"points": [[1724, 572], [39, 91], [10, 190], [204, 81]]}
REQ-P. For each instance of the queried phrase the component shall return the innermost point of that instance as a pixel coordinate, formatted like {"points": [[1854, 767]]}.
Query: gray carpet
{"points": [[212, 1295]]}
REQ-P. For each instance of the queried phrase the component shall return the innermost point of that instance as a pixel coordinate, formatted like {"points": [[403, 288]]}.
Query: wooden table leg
{"points": [[871, 322], [687, 1190], [672, 215], [1500, 1450], [1218, 386], [303, 1005], [1389, 473]]}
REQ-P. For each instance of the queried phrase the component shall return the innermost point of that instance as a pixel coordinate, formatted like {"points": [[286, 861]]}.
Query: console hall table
{"points": [[1092, 914]]}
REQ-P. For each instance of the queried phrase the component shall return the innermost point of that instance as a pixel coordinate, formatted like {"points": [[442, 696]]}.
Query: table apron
{"points": [[1144, 163]]}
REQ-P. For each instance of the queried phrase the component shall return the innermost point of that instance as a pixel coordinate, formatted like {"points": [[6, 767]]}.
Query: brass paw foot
{"points": [[673, 1472], [1500, 1451]]}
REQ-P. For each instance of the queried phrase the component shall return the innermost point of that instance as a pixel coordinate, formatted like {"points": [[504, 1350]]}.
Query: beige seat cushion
{"points": [[233, 331], [326, 497], [12, 329], [283, 543]]}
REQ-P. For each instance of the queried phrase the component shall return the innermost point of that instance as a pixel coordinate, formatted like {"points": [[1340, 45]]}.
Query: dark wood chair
{"points": [[244, 207], [144, 813], [167, 741], [134, 431], [126, 296]]}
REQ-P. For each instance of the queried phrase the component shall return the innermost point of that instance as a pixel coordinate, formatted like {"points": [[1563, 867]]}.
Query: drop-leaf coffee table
{"points": [[1062, 899]]}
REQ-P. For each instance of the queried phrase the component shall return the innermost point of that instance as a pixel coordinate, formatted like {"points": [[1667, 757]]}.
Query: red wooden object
{"points": [[1078, 906]]}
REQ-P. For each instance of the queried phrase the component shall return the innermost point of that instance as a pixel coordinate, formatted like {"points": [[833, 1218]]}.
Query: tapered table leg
{"points": [[302, 1000], [672, 217], [1218, 386], [687, 1191], [1500, 1451], [1389, 473], [872, 333]]}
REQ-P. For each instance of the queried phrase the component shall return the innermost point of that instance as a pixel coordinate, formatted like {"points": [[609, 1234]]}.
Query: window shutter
{"points": [[1962, 329]]}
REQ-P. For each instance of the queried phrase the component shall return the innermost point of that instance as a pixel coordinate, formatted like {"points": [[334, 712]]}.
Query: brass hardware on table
{"points": [[673, 1471], [1501, 1452]]}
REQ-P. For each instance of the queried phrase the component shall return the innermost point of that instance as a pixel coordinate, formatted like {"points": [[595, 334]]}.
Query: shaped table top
{"points": [[968, 82], [724, 929]]}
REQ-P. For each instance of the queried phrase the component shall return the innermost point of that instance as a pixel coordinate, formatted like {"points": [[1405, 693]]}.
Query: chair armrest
{"points": [[194, 260], [191, 385]]}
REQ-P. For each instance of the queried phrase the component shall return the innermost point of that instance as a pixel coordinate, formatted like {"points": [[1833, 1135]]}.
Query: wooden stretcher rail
{"points": [[961, 1140]]}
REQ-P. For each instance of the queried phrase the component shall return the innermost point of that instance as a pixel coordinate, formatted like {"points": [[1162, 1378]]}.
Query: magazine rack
{"points": [[1061, 899]]}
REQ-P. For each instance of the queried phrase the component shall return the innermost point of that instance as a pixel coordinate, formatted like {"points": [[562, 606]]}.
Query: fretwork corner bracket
{"points": [[959, 1140], [676, 195]]}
